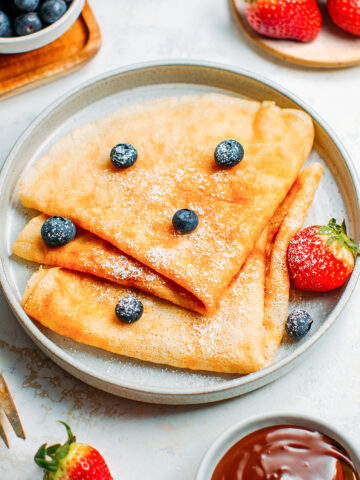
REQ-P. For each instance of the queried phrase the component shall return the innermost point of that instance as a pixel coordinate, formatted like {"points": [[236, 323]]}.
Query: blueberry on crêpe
{"points": [[185, 221], [229, 153], [129, 309], [123, 155], [58, 231], [298, 324]]}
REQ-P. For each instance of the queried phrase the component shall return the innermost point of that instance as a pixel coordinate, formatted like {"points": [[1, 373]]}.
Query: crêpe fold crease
{"points": [[88, 253]]}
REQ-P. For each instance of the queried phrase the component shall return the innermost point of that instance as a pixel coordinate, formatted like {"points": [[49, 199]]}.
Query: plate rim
{"points": [[62, 358]]}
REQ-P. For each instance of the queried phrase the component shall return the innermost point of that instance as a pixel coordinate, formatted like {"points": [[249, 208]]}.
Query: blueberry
{"points": [[27, 23], [229, 153], [27, 5], [58, 231], [52, 10], [185, 221], [123, 155], [298, 324], [129, 309], [5, 25]]}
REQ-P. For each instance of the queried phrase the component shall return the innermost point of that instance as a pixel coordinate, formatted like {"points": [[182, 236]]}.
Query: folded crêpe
{"points": [[175, 138], [88, 253], [277, 280], [241, 337]]}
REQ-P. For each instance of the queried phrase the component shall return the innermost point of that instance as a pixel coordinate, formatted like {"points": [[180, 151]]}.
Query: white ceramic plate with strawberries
{"points": [[337, 196], [313, 38]]}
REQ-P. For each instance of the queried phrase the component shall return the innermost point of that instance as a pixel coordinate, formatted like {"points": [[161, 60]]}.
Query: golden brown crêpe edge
{"points": [[277, 283]]}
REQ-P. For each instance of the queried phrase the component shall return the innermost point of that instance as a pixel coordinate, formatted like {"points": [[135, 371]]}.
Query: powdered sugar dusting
{"points": [[121, 270], [138, 373], [175, 169]]}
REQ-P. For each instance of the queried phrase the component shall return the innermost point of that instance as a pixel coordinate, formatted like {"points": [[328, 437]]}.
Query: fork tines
{"points": [[8, 406]]}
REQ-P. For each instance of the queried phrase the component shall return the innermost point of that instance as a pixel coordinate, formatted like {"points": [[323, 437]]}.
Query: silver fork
{"points": [[8, 406]]}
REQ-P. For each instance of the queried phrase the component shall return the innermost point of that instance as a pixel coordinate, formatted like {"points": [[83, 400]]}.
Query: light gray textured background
{"points": [[146, 441]]}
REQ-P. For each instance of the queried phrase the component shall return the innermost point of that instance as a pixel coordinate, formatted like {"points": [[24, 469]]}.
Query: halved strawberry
{"points": [[72, 461], [294, 19], [321, 258]]}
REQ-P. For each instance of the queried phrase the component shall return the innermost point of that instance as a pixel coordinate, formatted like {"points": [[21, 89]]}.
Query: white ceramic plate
{"points": [[241, 429], [338, 196]]}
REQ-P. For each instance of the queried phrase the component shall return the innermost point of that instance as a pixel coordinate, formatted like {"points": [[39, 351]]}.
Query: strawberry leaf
{"points": [[352, 245], [338, 233], [62, 452], [325, 230], [343, 227], [71, 437], [330, 240], [53, 449], [49, 458], [42, 460]]}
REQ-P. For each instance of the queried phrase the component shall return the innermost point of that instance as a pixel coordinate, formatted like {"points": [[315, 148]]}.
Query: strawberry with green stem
{"points": [[72, 461], [321, 258]]}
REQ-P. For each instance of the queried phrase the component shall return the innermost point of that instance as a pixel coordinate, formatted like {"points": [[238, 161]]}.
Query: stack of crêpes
{"points": [[214, 299]]}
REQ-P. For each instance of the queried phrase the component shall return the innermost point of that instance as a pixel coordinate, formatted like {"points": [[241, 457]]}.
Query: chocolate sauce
{"points": [[285, 452]]}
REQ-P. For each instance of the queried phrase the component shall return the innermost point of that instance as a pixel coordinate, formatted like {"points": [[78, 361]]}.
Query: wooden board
{"points": [[79, 44], [333, 48]]}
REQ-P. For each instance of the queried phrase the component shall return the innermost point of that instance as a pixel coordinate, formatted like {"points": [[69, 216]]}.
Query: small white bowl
{"points": [[44, 36], [240, 430]]}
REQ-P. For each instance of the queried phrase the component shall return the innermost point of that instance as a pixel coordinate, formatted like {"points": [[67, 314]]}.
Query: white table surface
{"points": [[168, 442]]}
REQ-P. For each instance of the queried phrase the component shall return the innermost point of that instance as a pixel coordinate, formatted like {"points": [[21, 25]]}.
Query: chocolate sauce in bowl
{"points": [[285, 452]]}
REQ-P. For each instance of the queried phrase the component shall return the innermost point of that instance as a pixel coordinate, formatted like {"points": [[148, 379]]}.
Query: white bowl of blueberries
{"points": [[30, 24]]}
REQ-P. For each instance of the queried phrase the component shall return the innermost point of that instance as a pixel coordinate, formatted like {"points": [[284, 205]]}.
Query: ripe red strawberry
{"points": [[321, 258], [346, 14], [294, 19], [72, 461]]}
